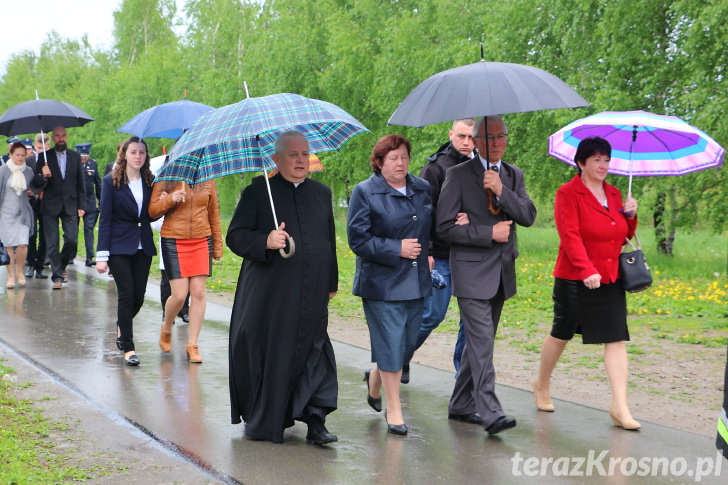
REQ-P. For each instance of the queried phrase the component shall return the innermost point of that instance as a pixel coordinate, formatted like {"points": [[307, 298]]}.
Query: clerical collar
{"points": [[485, 163]]}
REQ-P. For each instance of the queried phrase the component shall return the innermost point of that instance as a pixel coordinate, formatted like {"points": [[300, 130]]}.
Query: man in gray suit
{"points": [[59, 172], [483, 264]]}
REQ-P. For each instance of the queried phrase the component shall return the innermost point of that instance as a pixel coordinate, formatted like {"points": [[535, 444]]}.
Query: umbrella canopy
{"points": [[483, 89], [168, 120], [642, 143], [41, 115], [241, 137]]}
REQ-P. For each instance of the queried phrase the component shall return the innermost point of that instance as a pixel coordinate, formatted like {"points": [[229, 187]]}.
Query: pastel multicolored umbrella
{"points": [[643, 143]]}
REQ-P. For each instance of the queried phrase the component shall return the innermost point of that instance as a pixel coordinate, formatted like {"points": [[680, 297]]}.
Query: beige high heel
{"points": [[165, 340], [542, 404], [629, 424]]}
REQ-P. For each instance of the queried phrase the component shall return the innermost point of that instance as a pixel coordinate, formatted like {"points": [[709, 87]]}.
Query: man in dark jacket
{"points": [[59, 172], [92, 183], [36, 243], [459, 149]]}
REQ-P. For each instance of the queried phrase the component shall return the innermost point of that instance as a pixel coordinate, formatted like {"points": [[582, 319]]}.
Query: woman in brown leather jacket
{"points": [[191, 237]]}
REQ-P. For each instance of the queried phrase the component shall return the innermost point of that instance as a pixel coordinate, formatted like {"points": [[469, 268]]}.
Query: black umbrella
{"points": [[483, 89], [41, 115]]}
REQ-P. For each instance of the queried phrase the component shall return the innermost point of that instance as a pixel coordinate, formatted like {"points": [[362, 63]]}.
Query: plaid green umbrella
{"points": [[241, 138]]}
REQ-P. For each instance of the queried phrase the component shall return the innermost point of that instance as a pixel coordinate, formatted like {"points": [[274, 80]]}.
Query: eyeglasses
{"points": [[491, 138]]}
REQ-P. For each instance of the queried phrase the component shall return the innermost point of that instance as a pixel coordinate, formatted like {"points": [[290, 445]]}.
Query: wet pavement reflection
{"points": [[186, 407]]}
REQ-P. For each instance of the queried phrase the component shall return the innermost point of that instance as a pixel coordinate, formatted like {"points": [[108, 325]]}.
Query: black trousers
{"points": [[165, 291], [130, 275], [89, 222], [60, 259], [37, 245]]}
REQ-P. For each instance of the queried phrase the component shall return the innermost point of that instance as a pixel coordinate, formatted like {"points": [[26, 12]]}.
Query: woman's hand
{"points": [[462, 219], [593, 282], [410, 249], [630, 207], [178, 196], [277, 238], [101, 266]]}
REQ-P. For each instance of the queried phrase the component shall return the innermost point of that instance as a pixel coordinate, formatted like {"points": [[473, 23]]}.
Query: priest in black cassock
{"points": [[282, 365]]}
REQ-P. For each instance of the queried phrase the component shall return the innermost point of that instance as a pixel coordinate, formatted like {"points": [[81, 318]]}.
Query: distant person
{"points": [[16, 214], [389, 223], [11, 140], [459, 149], [588, 294], [191, 239], [483, 252], [110, 166], [126, 243], [92, 182], [63, 195], [282, 365], [36, 243]]}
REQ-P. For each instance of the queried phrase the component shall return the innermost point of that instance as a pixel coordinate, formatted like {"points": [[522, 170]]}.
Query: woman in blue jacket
{"points": [[390, 216], [126, 244]]}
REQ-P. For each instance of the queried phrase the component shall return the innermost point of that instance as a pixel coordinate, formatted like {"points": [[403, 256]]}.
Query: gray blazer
{"points": [[477, 263], [26, 211]]}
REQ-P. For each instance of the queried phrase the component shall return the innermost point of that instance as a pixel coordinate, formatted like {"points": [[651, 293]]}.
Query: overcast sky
{"points": [[24, 23]]}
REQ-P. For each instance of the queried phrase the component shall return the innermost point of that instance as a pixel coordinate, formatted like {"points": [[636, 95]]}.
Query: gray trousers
{"points": [[475, 385]]}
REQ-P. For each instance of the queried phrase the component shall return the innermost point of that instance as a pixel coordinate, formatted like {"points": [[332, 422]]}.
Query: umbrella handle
{"points": [[291, 249]]}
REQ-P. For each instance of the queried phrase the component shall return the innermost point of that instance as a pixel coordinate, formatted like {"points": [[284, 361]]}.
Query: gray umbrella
{"points": [[41, 115], [483, 89]]}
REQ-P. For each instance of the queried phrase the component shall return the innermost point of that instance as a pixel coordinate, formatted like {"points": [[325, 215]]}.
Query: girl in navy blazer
{"points": [[126, 244], [588, 295]]}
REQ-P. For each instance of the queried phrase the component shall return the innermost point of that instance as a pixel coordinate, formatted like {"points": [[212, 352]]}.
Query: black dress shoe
{"points": [[473, 418], [90, 262], [29, 272], [185, 317], [405, 375], [501, 424], [375, 403], [133, 360], [398, 429], [318, 434], [118, 343], [40, 274]]}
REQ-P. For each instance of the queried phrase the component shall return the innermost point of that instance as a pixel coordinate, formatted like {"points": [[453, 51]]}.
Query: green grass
{"points": [[686, 303], [27, 454]]}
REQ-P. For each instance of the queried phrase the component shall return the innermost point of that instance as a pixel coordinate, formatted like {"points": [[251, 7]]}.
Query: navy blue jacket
{"points": [[120, 225], [379, 218]]}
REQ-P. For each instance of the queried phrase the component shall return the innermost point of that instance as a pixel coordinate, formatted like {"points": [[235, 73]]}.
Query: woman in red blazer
{"points": [[588, 296]]}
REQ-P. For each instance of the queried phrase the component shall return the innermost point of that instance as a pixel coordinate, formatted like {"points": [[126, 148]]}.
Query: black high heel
{"points": [[399, 429], [375, 403], [118, 341]]}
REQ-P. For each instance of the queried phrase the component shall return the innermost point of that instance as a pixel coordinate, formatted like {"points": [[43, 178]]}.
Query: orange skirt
{"points": [[187, 257]]}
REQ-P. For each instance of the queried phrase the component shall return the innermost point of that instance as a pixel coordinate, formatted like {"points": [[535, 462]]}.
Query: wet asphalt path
{"points": [[186, 408]]}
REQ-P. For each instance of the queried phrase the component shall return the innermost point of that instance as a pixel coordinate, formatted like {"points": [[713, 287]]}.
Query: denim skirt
{"points": [[393, 328]]}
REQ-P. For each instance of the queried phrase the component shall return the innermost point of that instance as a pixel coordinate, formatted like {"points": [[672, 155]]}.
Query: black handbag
{"points": [[633, 268], [4, 256]]}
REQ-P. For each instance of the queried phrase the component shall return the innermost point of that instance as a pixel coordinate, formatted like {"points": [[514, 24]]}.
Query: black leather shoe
{"points": [[40, 274], [398, 429], [375, 403], [405, 375], [501, 424], [90, 262], [118, 343], [318, 434], [185, 317], [29, 272], [133, 360], [473, 418]]}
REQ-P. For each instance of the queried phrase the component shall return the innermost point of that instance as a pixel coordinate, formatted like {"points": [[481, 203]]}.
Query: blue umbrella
{"points": [[241, 137], [168, 120]]}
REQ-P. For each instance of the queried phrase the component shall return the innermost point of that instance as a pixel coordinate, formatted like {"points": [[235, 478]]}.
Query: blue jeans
{"points": [[435, 311]]}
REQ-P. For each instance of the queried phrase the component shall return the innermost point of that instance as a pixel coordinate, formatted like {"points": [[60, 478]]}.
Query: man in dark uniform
{"points": [[36, 242], [11, 140], [92, 182]]}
